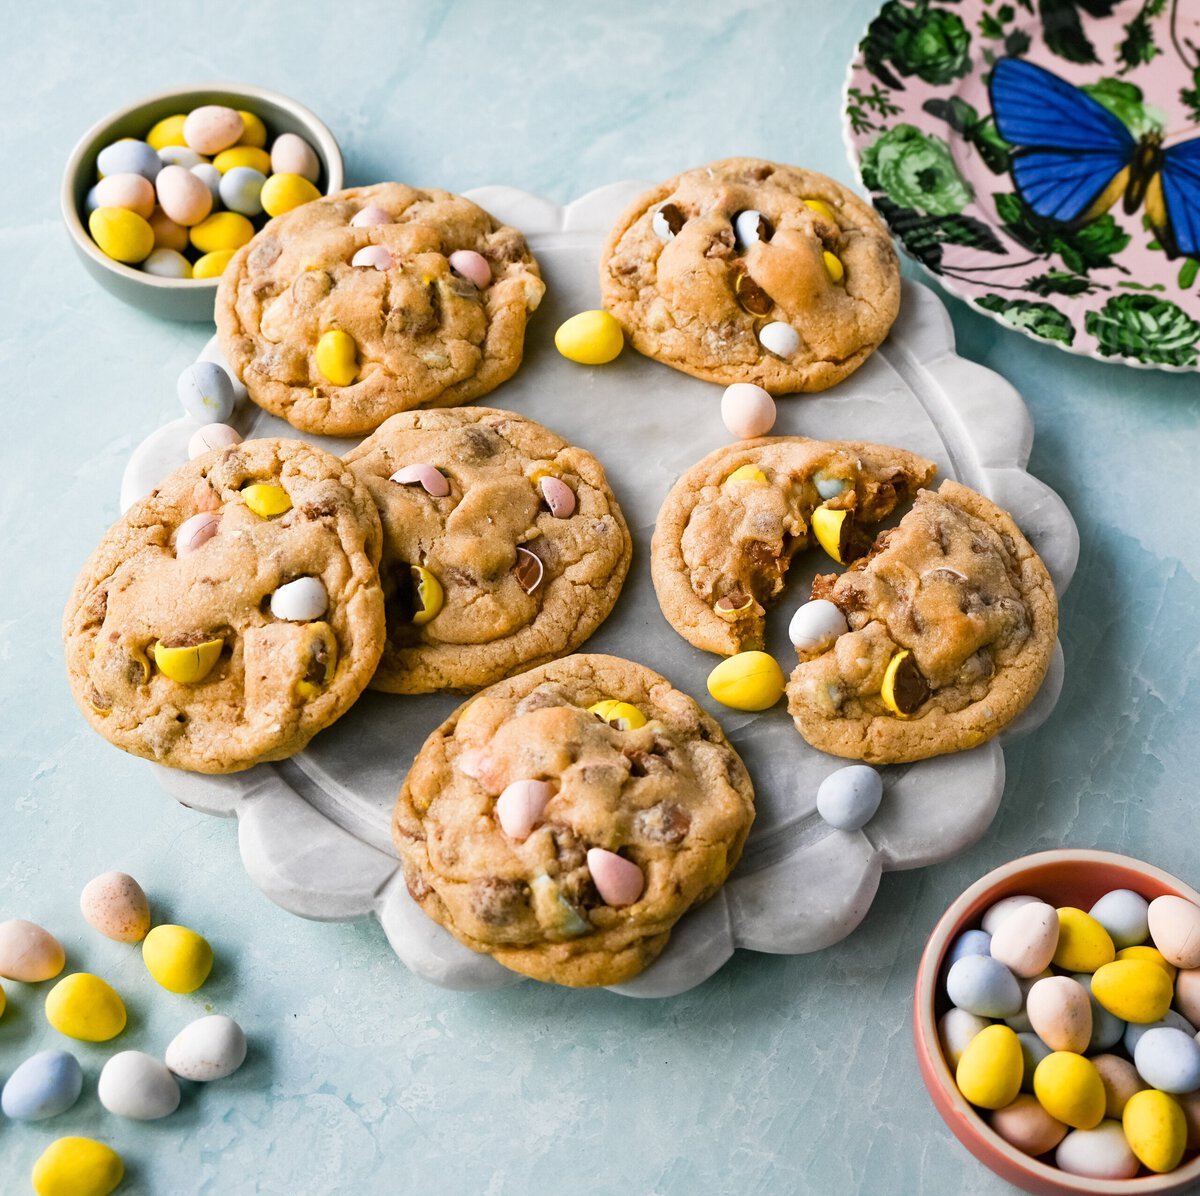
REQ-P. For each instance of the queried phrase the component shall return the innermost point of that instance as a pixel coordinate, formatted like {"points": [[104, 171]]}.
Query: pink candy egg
{"points": [[373, 255], [28, 953], [1175, 929], [618, 881], [212, 128], [116, 905], [1026, 940], [194, 532], [520, 806], [472, 266], [428, 477], [132, 191], [560, 498], [370, 216], [167, 234], [212, 436], [747, 410], [1060, 1012], [293, 155], [183, 196], [1187, 994], [1027, 1126]]}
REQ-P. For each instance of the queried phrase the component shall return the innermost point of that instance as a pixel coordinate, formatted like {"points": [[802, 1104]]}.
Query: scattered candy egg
{"points": [[178, 958], [983, 986], [618, 881], [989, 1072], [1069, 1089], [1026, 940], [254, 132], [212, 128], [28, 953], [747, 681], [998, 912], [749, 227], [45, 1085], [300, 601], [815, 625], [848, 798], [183, 196], [747, 410], [221, 230], [472, 266], [956, 1028], [1134, 1031], [167, 234], [560, 498], [1027, 1126], [84, 1006], [1083, 944], [520, 806], [241, 189], [121, 234], [337, 357], [167, 263], [1175, 928], [210, 176], [212, 265], [779, 338], [1060, 1013], [369, 217], [113, 902], [377, 257], [1033, 1051], [212, 436], [590, 338], [1134, 990], [1120, 1080], [970, 942], [291, 154], [428, 477], [206, 392], [167, 132], [136, 1085], [1155, 1129], [77, 1167], [129, 157], [1187, 993], [132, 191], [209, 1048], [1151, 955], [179, 155], [283, 192], [242, 157], [1102, 1153], [1123, 913], [1168, 1059], [1107, 1028]]}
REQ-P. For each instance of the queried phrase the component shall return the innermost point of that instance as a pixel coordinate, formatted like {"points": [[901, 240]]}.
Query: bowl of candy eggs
{"points": [[159, 196], [1055, 1018]]}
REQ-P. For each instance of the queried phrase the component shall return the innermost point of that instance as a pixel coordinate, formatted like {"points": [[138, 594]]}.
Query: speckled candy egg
{"points": [[29, 953], [132, 191], [983, 986], [1107, 1028], [116, 905], [1120, 1080], [956, 1028], [206, 392], [212, 128], [45, 1085], [183, 196], [1187, 993], [1170, 1020], [1175, 929], [1060, 1013], [998, 912], [1168, 1059], [129, 157], [1025, 941], [1123, 914], [1027, 1126], [1102, 1153], [747, 410], [848, 798], [291, 154], [136, 1085], [209, 1048], [970, 942]]}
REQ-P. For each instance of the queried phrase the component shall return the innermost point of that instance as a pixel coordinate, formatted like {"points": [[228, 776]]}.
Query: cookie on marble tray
{"points": [[376, 300], [233, 613], [749, 271], [564, 820], [503, 546], [730, 526], [947, 629]]}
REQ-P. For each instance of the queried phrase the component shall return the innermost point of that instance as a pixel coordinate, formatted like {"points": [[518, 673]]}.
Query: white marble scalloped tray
{"points": [[313, 830]]}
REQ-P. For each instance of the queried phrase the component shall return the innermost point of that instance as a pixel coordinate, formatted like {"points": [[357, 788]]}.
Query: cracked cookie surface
{"points": [[722, 544], [516, 585], [670, 795], [959, 587], [423, 334], [258, 687], [698, 299]]}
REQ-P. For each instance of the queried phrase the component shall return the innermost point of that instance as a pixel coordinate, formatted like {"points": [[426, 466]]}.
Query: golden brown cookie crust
{"points": [[676, 299], [715, 539], [672, 796], [135, 590], [958, 585], [489, 625], [426, 336]]}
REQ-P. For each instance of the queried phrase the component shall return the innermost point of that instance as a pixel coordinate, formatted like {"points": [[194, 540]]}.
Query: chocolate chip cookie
{"points": [[564, 820], [376, 300], [748, 271], [951, 621], [503, 546], [233, 613], [731, 525]]}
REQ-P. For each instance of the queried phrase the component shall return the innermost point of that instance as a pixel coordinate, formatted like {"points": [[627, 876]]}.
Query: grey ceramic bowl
{"points": [[178, 298]]}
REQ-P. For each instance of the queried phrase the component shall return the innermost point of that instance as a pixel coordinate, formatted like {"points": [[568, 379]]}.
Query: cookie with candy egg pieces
{"points": [[564, 820], [376, 300], [233, 613], [503, 546], [949, 626], [749, 271], [731, 525]]}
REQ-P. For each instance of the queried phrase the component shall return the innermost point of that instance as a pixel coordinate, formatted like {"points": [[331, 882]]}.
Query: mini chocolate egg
{"points": [[210, 176], [167, 132], [970, 942], [421, 473], [956, 1028], [747, 410], [747, 681], [179, 155], [121, 234], [1134, 990], [132, 191], [300, 601], [84, 1006], [1190, 1104], [77, 1167], [283, 192], [590, 338], [291, 154], [182, 196], [45, 1085], [1025, 941], [1027, 1126], [1060, 1013], [1170, 1019], [1033, 1051], [749, 227], [193, 533], [210, 1048], [206, 392], [178, 958], [1168, 1059], [519, 808], [983, 986], [815, 625], [255, 132], [1101, 1153], [376, 257], [115, 904], [212, 436], [779, 338], [1123, 913], [849, 797], [1187, 993], [212, 127], [1107, 1028], [472, 266], [241, 190], [129, 157], [1120, 1080], [1155, 1129], [1083, 944], [618, 881], [989, 1072], [998, 912], [29, 953], [370, 217], [136, 1085], [1069, 1089], [1175, 928], [1150, 955], [212, 265], [167, 263], [167, 234], [558, 496]]}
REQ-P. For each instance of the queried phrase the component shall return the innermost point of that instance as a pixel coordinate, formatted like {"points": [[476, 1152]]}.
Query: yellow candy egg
{"points": [[255, 132], [1083, 944], [746, 473], [178, 958], [84, 1006], [283, 192], [212, 265], [337, 357], [989, 1072], [1150, 955], [625, 716], [222, 230], [590, 338], [168, 131], [747, 681], [1069, 1088], [187, 664], [833, 266], [821, 208], [1155, 1129], [77, 1167], [3, 1000], [1135, 990], [266, 500], [429, 594], [243, 155], [121, 234], [832, 529]]}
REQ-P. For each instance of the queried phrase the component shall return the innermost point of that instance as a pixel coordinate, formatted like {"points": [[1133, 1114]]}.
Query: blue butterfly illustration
{"points": [[1074, 159]]}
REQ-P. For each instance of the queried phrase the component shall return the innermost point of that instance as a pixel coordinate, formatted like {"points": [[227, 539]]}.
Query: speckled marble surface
{"points": [[778, 1074]]}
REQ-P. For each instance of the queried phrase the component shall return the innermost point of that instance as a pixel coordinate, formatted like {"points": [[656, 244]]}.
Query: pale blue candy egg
{"points": [[1123, 914], [129, 157], [206, 392], [1168, 1059], [241, 190], [45, 1085], [1135, 1030], [210, 176], [984, 986], [1107, 1028], [179, 155], [1033, 1051], [848, 798], [970, 942], [830, 487], [90, 202]]}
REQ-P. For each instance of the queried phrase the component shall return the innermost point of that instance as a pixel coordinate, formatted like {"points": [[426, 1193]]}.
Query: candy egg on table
{"points": [[132, 191], [747, 410], [178, 958], [1083, 944], [206, 392], [212, 128], [1101, 1153], [998, 912], [283, 192], [1026, 940], [1175, 928], [86, 1007], [1123, 913], [241, 190], [983, 986], [115, 904], [1069, 1088], [44, 1085], [129, 157], [848, 798], [1155, 1129], [210, 1048], [1060, 1013], [136, 1085], [1027, 1126], [747, 681], [28, 952], [970, 942], [77, 1167], [183, 196], [990, 1069], [1120, 1080], [956, 1028], [1168, 1059], [590, 338], [291, 154], [212, 436]]}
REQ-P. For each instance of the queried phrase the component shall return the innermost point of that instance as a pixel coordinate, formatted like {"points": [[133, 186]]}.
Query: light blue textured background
{"points": [[780, 1074]]}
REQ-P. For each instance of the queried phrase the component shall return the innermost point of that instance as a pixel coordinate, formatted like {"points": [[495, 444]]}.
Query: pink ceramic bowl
{"points": [[1063, 877]]}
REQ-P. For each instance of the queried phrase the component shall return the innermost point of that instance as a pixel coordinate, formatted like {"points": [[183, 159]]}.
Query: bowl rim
{"points": [[321, 134], [968, 1125]]}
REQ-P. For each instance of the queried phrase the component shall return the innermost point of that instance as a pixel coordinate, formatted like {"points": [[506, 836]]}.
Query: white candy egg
{"points": [[210, 176], [747, 410], [815, 625], [167, 263], [206, 392], [848, 798], [212, 436], [750, 226], [136, 1085], [179, 155], [779, 338], [1102, 1153], [300, 601], [209, 1048]]}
